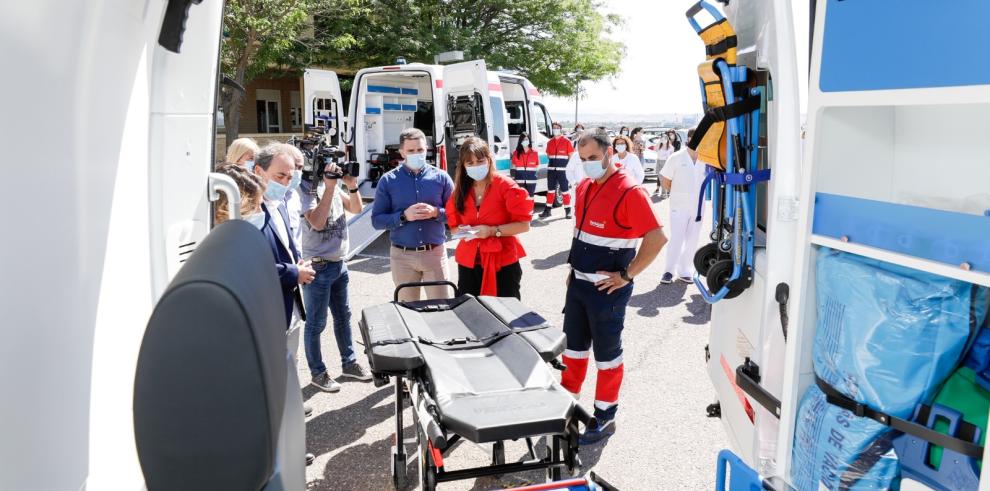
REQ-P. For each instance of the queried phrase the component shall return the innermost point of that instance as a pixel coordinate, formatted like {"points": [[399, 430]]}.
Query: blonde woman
{"points": [[242, 152]]}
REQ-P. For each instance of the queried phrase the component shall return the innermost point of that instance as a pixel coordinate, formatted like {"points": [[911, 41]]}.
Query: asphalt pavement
{"points": [[663, 440]]}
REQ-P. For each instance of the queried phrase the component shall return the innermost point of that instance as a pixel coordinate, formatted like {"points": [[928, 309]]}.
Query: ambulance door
{"points": [[540, 133], [465, 90], [323, 106], [500, 128]]}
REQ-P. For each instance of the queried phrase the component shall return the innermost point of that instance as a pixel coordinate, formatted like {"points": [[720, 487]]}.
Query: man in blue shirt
{"points": [[409, 203]]}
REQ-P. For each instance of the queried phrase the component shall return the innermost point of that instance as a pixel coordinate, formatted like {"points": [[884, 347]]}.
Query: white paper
{"points": [[467, 233]]}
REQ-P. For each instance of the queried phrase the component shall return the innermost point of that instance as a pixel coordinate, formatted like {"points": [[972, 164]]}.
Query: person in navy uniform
{"points": [[612, 214]]}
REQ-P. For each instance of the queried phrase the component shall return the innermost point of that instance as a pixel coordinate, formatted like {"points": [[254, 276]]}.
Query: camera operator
{"points": [[324, 244]]}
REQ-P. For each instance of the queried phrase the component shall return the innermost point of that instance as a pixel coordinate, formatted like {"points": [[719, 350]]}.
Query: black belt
{"points": [[424, 247]]}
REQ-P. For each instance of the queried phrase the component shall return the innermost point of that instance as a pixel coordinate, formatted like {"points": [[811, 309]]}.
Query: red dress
{"points": [[504, 202]]}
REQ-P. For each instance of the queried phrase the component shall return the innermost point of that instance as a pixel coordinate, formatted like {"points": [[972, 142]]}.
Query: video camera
{"points": [[319, 154]]}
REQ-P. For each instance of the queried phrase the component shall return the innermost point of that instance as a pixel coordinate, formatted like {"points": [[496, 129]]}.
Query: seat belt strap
{"points": [[958, 445]]}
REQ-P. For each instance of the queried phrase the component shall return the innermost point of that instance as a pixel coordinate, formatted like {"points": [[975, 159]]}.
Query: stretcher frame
{"points": [[433, 441]]}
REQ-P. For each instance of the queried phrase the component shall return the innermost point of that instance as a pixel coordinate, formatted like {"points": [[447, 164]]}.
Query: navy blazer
{"points": [[285, 264]]}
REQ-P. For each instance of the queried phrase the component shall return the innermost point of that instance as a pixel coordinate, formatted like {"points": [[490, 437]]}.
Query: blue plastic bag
{"points": [[886, 336]]}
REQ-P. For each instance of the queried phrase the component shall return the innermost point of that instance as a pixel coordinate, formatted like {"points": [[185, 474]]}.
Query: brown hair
{"points": [[472, 147], [251, 189]]}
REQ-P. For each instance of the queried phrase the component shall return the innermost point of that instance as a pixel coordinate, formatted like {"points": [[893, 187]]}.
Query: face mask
{"points": [[249, 165], [556, 132], [416, 161], [256, 219], [477, 172], [276, 190], [524, 143], [593, 168], [296, 179], [620, 148]]}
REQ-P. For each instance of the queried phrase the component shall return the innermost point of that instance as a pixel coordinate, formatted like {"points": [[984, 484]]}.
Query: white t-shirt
{"points": [[632, 165], [664, 153], [687, 176]]}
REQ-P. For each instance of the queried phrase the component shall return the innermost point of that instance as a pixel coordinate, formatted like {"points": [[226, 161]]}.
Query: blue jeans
{"points": [[329, 288]]}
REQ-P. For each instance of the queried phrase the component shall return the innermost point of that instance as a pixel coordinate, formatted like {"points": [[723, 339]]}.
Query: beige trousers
{"points": [[413, 266]]}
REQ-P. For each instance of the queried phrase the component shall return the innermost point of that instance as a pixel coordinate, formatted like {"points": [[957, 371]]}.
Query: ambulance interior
{"points": [[515, 110], [388, 104]]}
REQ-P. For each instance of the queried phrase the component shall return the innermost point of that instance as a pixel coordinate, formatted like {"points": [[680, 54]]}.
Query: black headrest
{"points": [[210, 384]]}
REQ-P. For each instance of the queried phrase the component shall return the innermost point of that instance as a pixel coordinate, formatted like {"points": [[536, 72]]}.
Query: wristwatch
{"points": [[498, 232], [625, 276], [352, 191]]}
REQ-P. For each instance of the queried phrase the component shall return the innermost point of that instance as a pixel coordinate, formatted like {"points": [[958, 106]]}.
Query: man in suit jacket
{"points": [[274, 165]]}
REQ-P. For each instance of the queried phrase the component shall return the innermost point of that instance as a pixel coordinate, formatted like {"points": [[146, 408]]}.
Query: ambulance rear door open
{"points": [[323, 105], [469, 113], [500, 128]]}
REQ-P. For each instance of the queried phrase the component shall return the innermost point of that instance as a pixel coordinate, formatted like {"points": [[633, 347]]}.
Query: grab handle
{"points": [[222, 183], [417, 284]]}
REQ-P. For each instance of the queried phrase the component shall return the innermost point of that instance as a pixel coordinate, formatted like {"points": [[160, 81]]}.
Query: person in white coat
{"points": [[667, 145], [682, 177], [624, 158]]}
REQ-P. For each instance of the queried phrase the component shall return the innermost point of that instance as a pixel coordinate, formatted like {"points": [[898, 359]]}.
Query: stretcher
{"points": [[473, 368], [727, 140]]}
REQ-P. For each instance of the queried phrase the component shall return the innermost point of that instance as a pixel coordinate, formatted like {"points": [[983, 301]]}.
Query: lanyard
{"points": [[586, 203]]}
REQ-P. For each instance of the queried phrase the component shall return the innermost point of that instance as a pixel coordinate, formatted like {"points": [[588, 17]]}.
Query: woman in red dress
{"points": [[493, 210]]}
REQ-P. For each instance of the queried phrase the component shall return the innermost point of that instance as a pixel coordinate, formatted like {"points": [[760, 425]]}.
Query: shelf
{"points": [[934, 267], [973, 94]]}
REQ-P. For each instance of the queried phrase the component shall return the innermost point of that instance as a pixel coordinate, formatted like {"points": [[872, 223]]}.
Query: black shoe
{"points": [[597, 433], [557, 204], [356, 372], [325, 383], [667, 279], [567, 212], [310, 458], [546, 213], [307, 410]]}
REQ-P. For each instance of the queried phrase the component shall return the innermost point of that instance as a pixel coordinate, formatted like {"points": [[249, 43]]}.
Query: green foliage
{"points": [[259, 33], [554, 43]]}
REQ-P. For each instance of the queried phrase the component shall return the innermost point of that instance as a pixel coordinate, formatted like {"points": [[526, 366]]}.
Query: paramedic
{"points": [[559, 150], [682, 177], [525, 162], [494, 205], [623, 158], [324, 245], [612, 214], [409, 203], [242, 152]]}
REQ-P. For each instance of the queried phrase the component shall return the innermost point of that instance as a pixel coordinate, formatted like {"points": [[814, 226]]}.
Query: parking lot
{"points": [[663, 439]]}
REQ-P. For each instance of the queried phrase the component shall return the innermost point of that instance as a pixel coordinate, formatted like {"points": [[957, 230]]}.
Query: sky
{"points": [[659, 70]]}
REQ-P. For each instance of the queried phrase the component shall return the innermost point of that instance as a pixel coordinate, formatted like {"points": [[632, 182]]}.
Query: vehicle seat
{"points": [[210, 388]]}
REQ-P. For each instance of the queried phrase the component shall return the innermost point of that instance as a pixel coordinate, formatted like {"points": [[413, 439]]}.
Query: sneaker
{"points": [[356, 372], [546, 212], [667, 279], [685, 279], [567, 212], [597, 433], [325, 383]]}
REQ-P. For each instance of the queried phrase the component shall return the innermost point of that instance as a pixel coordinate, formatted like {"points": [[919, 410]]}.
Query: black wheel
{"points": [[399, 477], [427, 473], [706, 256], [719, 274]]}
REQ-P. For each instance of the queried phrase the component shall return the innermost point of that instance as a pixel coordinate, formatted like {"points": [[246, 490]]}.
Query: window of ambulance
{"points": [[498, 120], [542, 119]]}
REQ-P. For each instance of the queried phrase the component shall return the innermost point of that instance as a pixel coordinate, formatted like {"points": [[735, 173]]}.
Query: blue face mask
{"points": [[477, 172], [275, 190], [249, 165], [593, 168], [416, 161], [256, 219], [296, 179]]}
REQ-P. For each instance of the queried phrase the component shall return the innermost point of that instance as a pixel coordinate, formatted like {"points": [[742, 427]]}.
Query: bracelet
{"points": [[352, 191]]}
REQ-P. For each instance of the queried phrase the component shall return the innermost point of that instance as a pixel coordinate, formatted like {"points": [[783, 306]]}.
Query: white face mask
{"points": [[556, 131], [256, 219], [416, 161], [620, 148], [477, 172], [524, 143], [593, 168]]}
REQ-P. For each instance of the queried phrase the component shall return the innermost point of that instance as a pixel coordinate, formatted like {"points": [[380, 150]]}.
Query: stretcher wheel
{"points": [[427, 472], [706, 256], [399, 476], [719, 274]]}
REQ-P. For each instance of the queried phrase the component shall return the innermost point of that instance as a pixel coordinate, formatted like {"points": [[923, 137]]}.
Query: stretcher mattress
{"points": [[484, 361]]}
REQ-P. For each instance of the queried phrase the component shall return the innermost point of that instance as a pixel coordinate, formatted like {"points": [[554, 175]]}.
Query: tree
{"points": [[554, 43], [258, 34]]}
